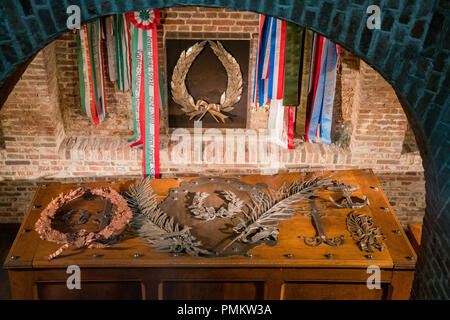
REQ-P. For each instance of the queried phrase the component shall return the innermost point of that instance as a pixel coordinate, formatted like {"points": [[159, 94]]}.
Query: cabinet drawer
{"points": [[211, 290], [331, 291], [92, 290]]}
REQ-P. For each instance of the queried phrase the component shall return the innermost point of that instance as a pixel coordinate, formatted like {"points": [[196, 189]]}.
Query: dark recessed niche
{"points": [[207, 80]]}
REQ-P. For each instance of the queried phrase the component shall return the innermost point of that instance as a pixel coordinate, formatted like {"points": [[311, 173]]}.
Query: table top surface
{"points": [[416, 231], [30, 252]]}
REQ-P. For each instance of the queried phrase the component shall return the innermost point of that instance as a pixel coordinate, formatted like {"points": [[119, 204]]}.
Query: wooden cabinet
{"points": [[415, 235], [289, 270]]}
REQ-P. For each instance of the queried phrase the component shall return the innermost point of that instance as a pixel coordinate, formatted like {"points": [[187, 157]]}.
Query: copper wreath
{"points": [[82, 238], [229, 98]]}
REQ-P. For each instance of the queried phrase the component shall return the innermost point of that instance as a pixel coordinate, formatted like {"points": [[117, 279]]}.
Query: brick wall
{"points": [[47, 138], [119, 122], [406, 194]]}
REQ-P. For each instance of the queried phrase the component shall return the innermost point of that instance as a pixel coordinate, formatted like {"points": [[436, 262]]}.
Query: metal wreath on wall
{"points": [[229, 98]]}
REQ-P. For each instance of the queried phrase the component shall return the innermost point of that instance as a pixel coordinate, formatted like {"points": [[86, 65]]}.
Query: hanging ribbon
{"points": [[300, 121], [293, 59], [269, 82], [278, 124], [290, 133], [269, 69], [289, 85], [257, 62], [90, 71], [111, 48], [328, 95], [313, 110], [121, 35], [263, 60], [145, 87], [321, 90]]}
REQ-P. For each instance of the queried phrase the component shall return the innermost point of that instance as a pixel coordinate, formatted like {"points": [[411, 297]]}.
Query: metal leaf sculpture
{"points": [[229, 98], [155, 226], [201, 211], [268, 209], [364, 232], [108, 233], [179, 91], [232, 95]]}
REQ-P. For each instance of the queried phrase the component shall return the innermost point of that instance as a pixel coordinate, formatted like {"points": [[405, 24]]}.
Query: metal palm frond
{"points": [[155, 226], [268, 209]]}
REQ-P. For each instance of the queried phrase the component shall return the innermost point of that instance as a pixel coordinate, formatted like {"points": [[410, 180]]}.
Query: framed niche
{"points": [[206, 80]]}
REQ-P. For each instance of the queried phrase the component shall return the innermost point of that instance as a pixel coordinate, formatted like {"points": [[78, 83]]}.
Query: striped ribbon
{"points": [[91, 71], [312, 121], [121, 35], [145, 88], [269, 70], [328, 94], [321, 90]]}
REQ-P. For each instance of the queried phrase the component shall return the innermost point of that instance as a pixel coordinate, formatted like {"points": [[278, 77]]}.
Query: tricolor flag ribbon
{"points": [[145, 87], [269, 68], [90, 70]]}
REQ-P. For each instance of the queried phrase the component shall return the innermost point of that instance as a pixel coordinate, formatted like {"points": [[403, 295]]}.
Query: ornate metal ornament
{"points": [[54, 224], [155, 226], [364, 232], [229, 98], [216, 216], [145, 19], [320, 237], [200, 211], [348, 201], [340, 186]]}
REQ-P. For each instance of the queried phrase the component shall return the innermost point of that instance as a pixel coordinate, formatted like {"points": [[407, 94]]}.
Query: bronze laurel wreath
{"points": [[229, 98], [82, 238]]}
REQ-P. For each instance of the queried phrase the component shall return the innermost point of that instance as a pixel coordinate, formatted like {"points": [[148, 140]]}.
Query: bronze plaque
{"points": [[207, 80], [215, 235]]}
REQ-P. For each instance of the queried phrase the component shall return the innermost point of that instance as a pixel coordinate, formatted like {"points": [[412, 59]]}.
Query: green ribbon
{"points": [[146, 69], [300, 121], [162, 94], [134, 46], [81, 73], [293, 54]]}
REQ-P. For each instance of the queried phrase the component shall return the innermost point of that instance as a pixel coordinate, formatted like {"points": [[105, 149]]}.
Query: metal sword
{"points": [[320, 237]]}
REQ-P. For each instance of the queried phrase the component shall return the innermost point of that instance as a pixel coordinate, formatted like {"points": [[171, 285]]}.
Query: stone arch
{"points": [[410, 51]]}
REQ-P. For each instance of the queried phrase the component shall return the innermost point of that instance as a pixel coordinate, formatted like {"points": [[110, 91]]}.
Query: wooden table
{"points": [[415, 235], [308, 274]]}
